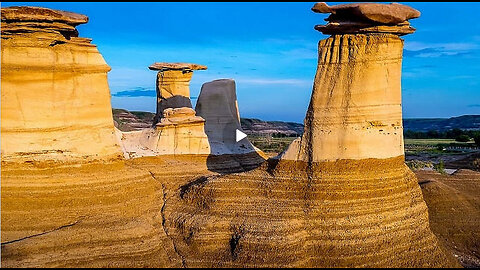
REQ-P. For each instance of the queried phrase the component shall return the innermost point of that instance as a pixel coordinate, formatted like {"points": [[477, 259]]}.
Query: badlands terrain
{"points": [[80, 188]]}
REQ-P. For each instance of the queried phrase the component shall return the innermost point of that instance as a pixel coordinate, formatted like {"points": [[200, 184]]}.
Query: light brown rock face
{"points": [[176, 129], [355, 111], [173, 85], [179, 132], [55, 98]]}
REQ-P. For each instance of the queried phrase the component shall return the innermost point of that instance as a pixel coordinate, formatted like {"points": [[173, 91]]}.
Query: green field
{"points": [[435, 142], [277, 145], [269, 144]]}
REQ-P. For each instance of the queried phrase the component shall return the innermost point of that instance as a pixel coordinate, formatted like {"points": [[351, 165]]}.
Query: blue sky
{"points": [[270, 49]]}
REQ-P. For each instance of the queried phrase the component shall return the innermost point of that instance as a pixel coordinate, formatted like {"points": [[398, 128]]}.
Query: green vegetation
{"points": [[447, 134], [440, 167], [418, 164], [462, 138], [271, 144], [433, 142], [476, 138]]}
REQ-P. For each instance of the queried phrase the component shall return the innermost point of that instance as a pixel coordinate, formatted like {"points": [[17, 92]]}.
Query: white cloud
{"points": [[453, 46]]}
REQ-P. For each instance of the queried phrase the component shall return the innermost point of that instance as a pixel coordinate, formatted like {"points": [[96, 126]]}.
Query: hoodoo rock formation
{"points": [[176, 129], [173, 86], [341, 195], [55, 101]]}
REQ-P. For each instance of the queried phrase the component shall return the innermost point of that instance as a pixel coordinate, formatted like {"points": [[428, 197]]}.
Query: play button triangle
{"points": [[240, 135]]}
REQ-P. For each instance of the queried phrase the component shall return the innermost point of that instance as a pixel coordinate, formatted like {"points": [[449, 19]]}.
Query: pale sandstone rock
{"points": [[180, 132], [55, 98], [218, 105], [173, 86], [355, 111]]}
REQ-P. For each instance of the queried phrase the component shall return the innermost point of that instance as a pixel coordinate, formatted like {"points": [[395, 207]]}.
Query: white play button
{"points": [[240, 135]]}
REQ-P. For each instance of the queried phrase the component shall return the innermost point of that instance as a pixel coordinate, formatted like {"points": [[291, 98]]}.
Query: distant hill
{"points": [[256, 126], [131, 120], [135, 120], [466, 122]]}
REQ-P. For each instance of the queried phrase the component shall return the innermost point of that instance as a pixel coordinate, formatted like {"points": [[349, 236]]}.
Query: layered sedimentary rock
{"points": [[355, 110], [454, 210], [159, 211], [341, 196], [173, 85], [55, 95], [179, 132], [94, 215]]}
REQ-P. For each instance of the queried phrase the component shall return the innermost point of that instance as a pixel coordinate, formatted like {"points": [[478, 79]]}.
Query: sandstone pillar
{"points": [[341, 196], [55, 98], [173, 85], [355, 110]]}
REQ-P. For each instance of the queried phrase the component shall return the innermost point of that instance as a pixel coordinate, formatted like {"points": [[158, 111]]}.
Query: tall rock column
{"points": [[173, 86], [355, 110], [55, 101], [217, 104]]}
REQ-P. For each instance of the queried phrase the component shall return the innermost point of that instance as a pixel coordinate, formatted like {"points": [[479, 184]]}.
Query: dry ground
{"points": [[47, 216], [454, 210]]}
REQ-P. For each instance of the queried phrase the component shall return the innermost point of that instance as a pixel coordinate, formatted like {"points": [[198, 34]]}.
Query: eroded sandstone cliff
{"points": [[55, 101]]}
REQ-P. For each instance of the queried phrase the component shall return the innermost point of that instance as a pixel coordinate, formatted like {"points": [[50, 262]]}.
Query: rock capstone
{"points": [[367, 18]]}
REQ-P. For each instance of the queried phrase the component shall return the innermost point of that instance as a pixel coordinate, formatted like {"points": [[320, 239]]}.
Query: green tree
{"points": [[462, 138], [477, 140]]}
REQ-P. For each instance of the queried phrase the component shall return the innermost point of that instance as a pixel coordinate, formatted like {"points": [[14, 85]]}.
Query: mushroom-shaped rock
{"points": [[173, 86], [341, 196]]}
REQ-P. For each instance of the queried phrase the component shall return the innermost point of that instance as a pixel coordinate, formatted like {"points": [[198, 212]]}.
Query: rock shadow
{"points": [[177, 101]]}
